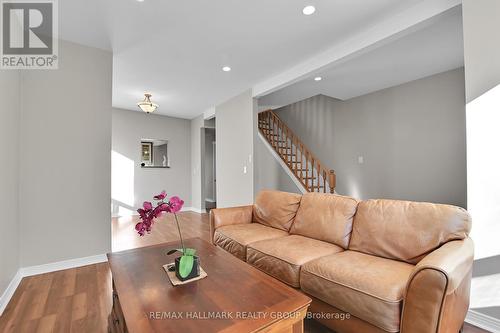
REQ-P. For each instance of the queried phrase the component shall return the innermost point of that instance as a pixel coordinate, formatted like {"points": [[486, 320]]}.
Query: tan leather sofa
{"points": [[369, 266]]}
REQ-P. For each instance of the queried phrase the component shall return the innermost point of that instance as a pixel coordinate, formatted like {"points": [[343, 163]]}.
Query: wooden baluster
{"points": [[288, 146], [324, 181], [296, 155], [285, 137], [315, 168], [290, 151], [311, 163], [282, 143], [332, 181], [278, 131], [276, 137], [318, 172], [300, 160], [307, 171], [302, 168], [271, 130], [312, 173]]}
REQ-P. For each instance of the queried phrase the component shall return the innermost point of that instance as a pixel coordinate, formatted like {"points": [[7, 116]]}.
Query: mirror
{"points": [[154, 153]]}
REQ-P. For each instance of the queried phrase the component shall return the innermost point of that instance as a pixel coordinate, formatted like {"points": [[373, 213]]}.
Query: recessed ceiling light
{"points": [[226, 68], [308, 10], [318, 78], [140, 0]]}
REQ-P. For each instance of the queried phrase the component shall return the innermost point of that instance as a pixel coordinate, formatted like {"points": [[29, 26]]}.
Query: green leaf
{"points": [[190, 252], [186, 265]]}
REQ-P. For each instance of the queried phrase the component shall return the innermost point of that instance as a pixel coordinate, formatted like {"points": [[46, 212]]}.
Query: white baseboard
{"points": [[46, 268], [9, 292], [184, 209], [193, 209], [483, 321], [65, 264]]}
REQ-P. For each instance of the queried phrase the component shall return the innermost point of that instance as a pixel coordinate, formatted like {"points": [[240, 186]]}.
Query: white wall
{"points": [[131, 184], [482, 73], [411, 137], [9, 176], [235, 126], [65, 164], [481, 46]]}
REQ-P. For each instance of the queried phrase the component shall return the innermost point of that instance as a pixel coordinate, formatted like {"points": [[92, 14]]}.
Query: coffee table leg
{"points": [[298, 327]]}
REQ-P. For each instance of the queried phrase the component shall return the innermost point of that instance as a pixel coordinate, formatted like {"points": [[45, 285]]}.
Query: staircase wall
{"points": [[269, 174], [411, 137]]}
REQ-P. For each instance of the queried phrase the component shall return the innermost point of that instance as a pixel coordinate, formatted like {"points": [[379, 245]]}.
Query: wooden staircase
{"points": [[308, 170]]}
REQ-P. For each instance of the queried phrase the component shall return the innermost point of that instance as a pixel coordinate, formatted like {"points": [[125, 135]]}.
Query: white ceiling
{"points": [[434, 48], [175, 49]]}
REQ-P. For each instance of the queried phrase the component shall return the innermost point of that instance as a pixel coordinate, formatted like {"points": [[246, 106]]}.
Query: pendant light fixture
{"points": [[146, 105]]}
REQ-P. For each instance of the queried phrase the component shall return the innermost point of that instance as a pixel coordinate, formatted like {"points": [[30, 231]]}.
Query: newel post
{"points": [[332, 179]]}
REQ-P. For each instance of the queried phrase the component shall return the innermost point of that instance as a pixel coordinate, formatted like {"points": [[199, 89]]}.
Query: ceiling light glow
{"points": [[308, 10], [226, 68], [318, 78]]}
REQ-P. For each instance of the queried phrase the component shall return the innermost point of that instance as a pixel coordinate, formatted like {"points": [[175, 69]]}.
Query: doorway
{"points": [[208, 166]]}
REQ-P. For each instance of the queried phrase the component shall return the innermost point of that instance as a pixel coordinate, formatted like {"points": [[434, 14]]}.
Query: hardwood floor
{"points": [[73, 300], [79, 299], [164, 230]]}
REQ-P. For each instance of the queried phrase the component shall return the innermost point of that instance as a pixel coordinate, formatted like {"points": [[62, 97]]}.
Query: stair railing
{"points": [[306, 167]]}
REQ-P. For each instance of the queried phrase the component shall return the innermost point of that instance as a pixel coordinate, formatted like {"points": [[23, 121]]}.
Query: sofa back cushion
{"points": [[405, 230], [276, 209], [325, 217]]}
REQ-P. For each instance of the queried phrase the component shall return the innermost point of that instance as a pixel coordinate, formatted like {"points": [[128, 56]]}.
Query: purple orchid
{"points": [[176, 204], [160, 196], [149, 212]]}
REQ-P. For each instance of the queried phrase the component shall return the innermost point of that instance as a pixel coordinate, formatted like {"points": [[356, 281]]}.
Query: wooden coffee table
{"points": [[234, 297]]}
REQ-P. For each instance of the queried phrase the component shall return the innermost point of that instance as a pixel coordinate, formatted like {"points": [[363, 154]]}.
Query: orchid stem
{"points": [[180, 234]]}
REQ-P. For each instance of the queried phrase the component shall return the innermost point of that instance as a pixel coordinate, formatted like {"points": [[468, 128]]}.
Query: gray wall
{"points": [[209, 164], [196, 176], [9, 176], [129, 127], [269, 174], [160, 153], [481, 46], [412, 139], [235, 125], [65, 166]]}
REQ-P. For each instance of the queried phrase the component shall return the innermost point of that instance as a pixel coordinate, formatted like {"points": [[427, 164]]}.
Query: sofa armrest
{"points": [[226, 216], [437, 293]]}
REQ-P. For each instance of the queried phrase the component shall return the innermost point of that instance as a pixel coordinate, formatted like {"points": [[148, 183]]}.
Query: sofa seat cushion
{"points": [[369, 287], [235, 238], [283, 257]]}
